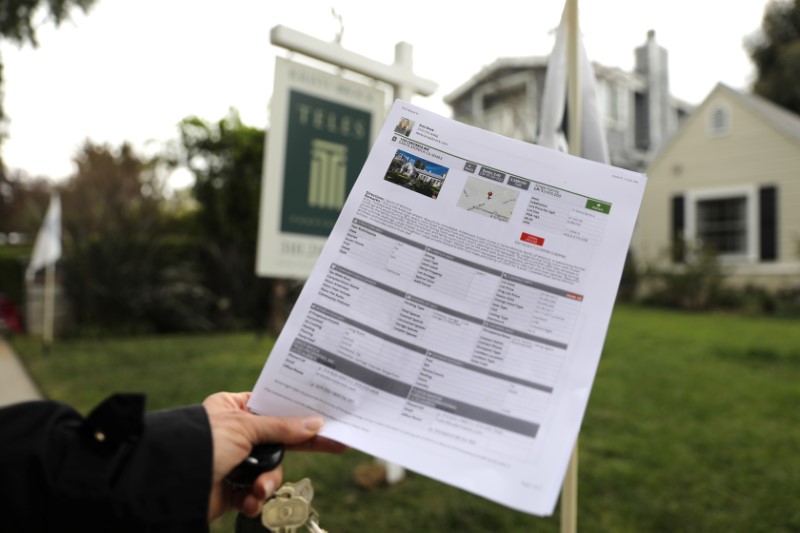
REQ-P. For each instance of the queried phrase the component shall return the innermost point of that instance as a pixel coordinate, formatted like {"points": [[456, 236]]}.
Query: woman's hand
{"points": [[235, 431]]}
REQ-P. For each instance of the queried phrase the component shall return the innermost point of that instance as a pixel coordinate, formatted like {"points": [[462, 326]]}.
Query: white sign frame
{"points": [[293, 255]]}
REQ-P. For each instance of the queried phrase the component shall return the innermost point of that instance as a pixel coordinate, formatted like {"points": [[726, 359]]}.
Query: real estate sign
{"points": [[322, 127]]}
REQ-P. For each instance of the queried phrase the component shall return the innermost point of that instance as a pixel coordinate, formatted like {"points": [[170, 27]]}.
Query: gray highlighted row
{"points": [[397, 388], [472, 412], [350, 369], [542, 287], [333, 315]]}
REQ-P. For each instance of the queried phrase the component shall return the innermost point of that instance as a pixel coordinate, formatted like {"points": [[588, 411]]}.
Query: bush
{"points": [[699, 284], [426, 188], [787, 303], [134, 286], [13, 261], [696, 285], [629, 282]]}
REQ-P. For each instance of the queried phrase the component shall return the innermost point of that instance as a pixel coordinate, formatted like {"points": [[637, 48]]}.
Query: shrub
{"points": [[695, 285]]}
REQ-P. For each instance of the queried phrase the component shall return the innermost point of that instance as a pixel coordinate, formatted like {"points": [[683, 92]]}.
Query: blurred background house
{"points": [[728, 182], [639, 112], [722, 177]]}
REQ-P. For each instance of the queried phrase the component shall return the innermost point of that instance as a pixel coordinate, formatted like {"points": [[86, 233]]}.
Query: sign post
{"points": [[399, 75], [321, 131]]}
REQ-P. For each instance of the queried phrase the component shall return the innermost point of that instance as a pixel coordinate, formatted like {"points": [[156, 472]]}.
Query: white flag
{"points": [[47, 248], [593, 136]]}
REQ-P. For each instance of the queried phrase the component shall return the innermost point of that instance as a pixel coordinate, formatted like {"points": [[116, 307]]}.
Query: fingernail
{"points": [[269, 488], [313, 423]]}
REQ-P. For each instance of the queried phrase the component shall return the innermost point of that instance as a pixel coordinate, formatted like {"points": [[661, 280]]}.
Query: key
{"points": [[303, 488], [313, 523], [288, 510]]}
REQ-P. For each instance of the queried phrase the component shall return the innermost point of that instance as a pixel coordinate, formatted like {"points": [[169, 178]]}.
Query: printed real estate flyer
{"points": [[454, 321]]}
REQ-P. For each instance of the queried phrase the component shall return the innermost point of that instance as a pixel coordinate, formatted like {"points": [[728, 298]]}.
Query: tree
{"points": [[775, 50], [123, 268], [23, 202], [113, 193], [18, 24], [226, 159]]}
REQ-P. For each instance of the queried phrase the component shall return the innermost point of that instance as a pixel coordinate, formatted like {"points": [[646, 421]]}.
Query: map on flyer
{"points": [[488, 199]]}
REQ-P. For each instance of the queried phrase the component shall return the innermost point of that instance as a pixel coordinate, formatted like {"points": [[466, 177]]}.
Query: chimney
{"points": [[651, 64]]}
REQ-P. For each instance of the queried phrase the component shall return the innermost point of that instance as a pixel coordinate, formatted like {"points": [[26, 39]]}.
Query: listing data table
{"points": [[398, 342], [567, 215], [454, 320]]}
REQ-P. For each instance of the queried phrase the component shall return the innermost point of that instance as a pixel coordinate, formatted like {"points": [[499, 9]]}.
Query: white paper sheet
{"points": [[455, 319]]}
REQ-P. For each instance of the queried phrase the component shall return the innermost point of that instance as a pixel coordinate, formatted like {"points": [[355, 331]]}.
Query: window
{"points": [[678, 226], [500, 107], [642, 122], [722, 225], [738, 223], [719, 121], [612, 101]]}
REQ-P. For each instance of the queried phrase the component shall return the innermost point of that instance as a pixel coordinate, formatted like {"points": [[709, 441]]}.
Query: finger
{"points": [[237, 400], [319, 444], [221, 401], [250, 506], [267, 483], [236, 498], [285, 430], [241, 399], [263, 488]]}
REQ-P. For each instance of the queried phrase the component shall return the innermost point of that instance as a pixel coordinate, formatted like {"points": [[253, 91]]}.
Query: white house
{"points": [[728, 180], [638, 110]]}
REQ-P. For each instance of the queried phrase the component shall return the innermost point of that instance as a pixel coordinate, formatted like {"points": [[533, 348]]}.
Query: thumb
{"points": [[285, 430]]}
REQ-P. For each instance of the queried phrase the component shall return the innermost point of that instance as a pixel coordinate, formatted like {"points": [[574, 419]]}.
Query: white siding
{"points": [[754, 154]]}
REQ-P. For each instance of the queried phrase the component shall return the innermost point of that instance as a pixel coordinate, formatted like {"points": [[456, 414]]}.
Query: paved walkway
{"points": [[15, 383]]}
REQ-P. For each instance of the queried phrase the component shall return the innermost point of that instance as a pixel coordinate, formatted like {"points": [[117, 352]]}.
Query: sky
{"points": [[130, 71]]}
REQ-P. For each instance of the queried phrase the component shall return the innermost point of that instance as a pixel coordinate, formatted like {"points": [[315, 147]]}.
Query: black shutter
{"points": [[678, 225], [768, 223]]}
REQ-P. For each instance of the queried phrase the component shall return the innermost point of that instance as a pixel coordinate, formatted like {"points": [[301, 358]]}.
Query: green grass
{"points": [[693, 425]]}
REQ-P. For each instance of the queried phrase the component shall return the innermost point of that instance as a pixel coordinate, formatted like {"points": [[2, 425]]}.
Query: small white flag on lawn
{"points": [[593, 137], [47, 249]]}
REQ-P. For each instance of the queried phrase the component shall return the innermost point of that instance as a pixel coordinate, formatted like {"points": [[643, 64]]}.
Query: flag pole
{"points": [[569, 490], [46, 251], [49, 307], [573, 78]]}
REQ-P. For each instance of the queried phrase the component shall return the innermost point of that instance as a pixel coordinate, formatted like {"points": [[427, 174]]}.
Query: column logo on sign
{"points": [[327, 180], [326, 144]]}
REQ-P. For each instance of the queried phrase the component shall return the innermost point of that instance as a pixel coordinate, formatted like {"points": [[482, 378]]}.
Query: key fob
{"points": [[263, 458]]}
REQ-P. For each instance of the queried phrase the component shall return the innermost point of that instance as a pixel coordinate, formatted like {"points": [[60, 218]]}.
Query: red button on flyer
{"points": [[533, 239]]}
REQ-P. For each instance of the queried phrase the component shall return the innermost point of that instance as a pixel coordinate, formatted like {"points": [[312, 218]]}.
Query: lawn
{"points": [[693, 425]]}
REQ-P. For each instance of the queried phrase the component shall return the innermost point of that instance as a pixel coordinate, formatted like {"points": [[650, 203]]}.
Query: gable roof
{"points": [[783, 120], [779, 117], [488, 72], [500, 64]]}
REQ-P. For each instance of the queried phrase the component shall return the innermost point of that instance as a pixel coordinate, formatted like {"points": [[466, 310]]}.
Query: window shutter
{"points": [[678, 225], [768, 223]]}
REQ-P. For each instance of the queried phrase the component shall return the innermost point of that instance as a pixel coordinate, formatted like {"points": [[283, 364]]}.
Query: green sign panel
{"points": [[326, 146], [601, 207]]}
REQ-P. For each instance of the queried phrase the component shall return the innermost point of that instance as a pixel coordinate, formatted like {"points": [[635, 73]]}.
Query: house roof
{"points": [[530, 62], [488, 70], [779, 117]]}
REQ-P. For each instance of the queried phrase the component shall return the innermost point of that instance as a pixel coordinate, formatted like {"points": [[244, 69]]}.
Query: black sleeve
{"points": [[118, 469]]}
